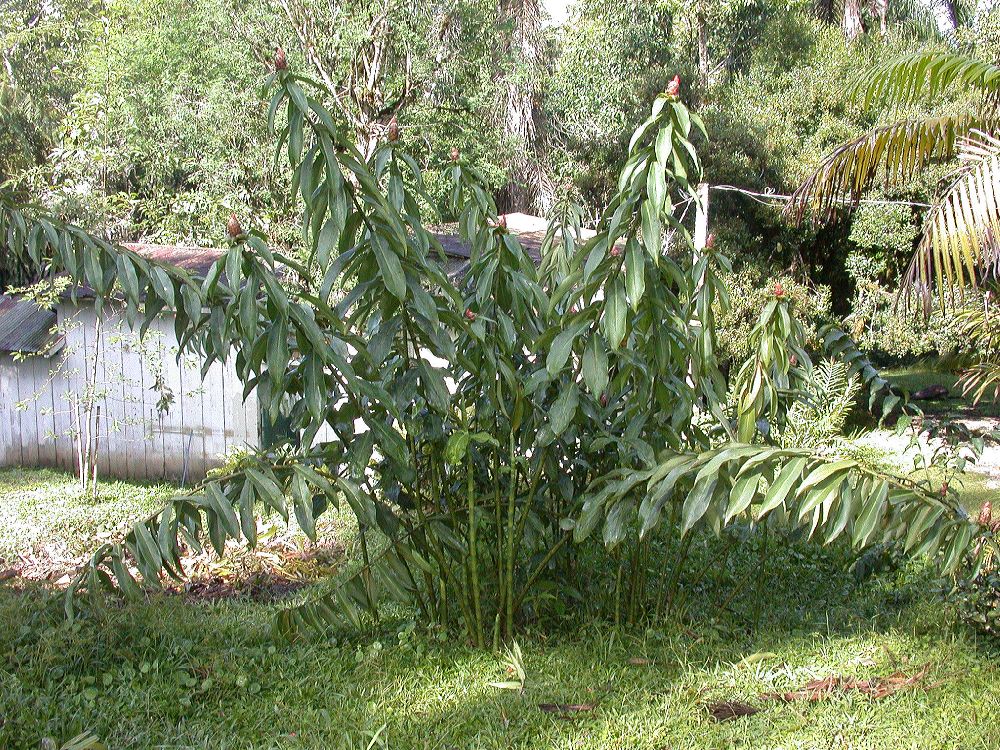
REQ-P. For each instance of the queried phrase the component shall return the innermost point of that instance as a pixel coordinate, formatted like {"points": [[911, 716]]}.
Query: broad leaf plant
{"points": [[484, 428]]}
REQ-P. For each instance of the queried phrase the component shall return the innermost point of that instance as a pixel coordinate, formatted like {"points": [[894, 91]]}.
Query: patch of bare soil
{"points": [[262, 575], [729, 710]]}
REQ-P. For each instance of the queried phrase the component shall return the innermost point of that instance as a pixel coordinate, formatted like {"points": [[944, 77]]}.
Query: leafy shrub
{"points": [[507, 418], [883, 237], [978, 601], [892, 336], [750, 288]]}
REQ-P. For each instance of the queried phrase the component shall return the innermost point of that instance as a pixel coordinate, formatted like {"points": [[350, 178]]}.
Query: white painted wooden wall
{"points": [[207, 418]]}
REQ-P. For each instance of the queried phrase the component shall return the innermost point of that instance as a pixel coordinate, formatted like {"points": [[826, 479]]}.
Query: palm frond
{"points": [[980, 371], [893, 152], [923, 75], [981, 381], [961, 239]]}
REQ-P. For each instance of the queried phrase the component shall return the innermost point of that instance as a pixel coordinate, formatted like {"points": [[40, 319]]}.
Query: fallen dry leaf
{"points": [[729, 710], [637, 661], [878, 687]]}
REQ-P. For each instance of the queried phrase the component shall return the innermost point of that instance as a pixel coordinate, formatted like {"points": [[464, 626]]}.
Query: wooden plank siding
{"points": [[206, 419]]}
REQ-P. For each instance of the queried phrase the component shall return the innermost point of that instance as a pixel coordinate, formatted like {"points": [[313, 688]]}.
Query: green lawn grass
{"points": [[920, 376], [173, 674], [44, 509]]}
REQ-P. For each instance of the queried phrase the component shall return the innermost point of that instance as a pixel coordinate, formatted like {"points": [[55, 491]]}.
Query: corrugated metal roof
{"points": [[25, 327], [194, 260], [529, 231]]}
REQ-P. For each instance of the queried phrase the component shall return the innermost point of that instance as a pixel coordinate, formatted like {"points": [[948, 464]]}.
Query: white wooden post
{"points": [[701, 218], [700, 243]]}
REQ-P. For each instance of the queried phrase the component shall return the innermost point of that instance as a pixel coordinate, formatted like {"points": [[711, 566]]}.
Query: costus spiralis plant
{"points": [[491, 432]]}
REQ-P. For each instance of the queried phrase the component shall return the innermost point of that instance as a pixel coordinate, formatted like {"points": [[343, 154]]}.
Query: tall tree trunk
{"points": [[704, 62], [882, 8], [526, 189], [944, 14], [853, 24], [825, 11]]}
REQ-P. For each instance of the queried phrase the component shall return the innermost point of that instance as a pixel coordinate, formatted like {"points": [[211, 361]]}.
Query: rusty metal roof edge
{"points": [[25, 327]]}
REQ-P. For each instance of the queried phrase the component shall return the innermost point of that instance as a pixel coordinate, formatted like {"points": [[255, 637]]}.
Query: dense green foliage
{"points": [[168, 158], [630, 429], [158, 134]]}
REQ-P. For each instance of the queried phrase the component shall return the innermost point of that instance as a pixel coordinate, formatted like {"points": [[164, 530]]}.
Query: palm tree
{"points": [[523, 48], [960, 244]]}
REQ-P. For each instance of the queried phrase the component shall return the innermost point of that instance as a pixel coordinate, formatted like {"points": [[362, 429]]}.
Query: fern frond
{"points": [[835, 390], [961, 240], [923, 75], [882, 396], [893, 152], [828, 398], [830, 378]]}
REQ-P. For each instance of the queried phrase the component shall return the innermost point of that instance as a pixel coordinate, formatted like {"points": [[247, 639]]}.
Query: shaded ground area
{"points": [[177, 674], [49, 529], [169, 674]]}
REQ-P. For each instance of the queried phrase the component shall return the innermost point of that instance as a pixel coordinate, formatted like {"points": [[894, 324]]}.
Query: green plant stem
{"points": [[372, 607], [533, 576], [511, 504], [618, 591], [475, 593], [530, 497], [762, 576], [498, 531], [722, 554], [675, 577]]}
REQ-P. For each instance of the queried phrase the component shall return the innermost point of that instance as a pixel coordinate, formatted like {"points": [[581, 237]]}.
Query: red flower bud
{"points": [[674, 87], [280, 61], [793, 360], [986, 514], [779, 290], [469, 315], [944, 489], [604, 399], [616, 251], [710, 241], [455, 153], [502, 221], [233, 227], [393, 133]]}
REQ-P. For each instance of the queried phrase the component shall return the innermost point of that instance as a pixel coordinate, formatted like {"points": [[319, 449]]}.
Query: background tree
{"points": [[959, 245], [523, 62], [40, 45]]}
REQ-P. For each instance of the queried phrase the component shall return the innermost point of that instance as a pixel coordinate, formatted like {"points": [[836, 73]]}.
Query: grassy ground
{"points": [[915, 378], [43, 512], [206, 674]]}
